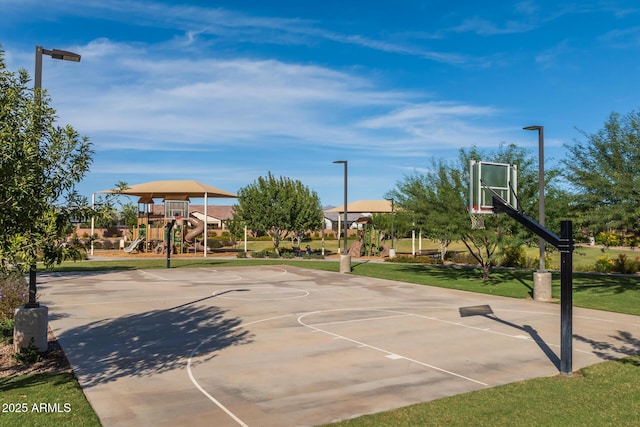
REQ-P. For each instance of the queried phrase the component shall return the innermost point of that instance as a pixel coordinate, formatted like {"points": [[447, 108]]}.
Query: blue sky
{"points": [[225, 91]]}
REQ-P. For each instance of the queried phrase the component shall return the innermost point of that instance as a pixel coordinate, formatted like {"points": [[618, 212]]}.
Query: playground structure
{"points": [[187, 234], [370, 240]]}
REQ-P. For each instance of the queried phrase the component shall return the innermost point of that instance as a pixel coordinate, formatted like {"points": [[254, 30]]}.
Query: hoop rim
{"points": [[482, 210]]}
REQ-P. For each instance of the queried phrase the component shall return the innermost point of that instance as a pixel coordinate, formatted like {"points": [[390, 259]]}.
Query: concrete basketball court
{"points": [[285, 346]]}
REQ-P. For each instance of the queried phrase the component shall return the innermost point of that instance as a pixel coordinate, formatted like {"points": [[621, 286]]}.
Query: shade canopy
{"points": [[369, 206], [172, 190]]}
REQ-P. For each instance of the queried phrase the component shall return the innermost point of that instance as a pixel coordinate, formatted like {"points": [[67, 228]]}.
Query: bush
{"points": [[14, 292], [241, 255], [259, 254], [214, 244], [407, 259], [514, 256], [6, 331], [608, 238], [464, 258], [28, 355], [624, 265], [604, 264]]}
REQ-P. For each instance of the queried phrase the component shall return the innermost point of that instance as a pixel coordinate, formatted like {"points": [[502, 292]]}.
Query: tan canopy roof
{"points": [[370, 206], [173, 190]]}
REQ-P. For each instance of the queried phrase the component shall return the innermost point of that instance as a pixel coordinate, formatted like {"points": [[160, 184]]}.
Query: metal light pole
{"points": [[393, 250], [37, 86], [542, 275], [345, 259], [31, 321], [540, 130]]}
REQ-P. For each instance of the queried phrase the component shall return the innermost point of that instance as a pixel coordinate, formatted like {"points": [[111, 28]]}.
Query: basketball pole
{"points": [[565, 245]]}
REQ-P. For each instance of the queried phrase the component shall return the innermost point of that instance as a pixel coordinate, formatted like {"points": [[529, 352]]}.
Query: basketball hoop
{"points": [[477, 221]]}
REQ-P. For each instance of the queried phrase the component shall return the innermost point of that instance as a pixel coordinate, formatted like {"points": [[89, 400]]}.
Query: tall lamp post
{"points": [[31, 321], [37, 86], [345, 259], [541, 278], [392, 252]]}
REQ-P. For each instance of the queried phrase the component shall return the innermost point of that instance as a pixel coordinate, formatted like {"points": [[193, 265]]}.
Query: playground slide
{"points": [[133, 245], [190, 237]]}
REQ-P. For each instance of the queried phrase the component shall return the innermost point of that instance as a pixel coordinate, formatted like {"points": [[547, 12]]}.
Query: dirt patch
{"points": [[53, 360]]}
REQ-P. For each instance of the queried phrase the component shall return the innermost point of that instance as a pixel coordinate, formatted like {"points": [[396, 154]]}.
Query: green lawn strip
{"points": [[603, 394], [609, 292], [44, 400]]}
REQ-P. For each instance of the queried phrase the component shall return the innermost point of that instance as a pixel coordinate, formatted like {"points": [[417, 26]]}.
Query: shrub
{"points": [[407, 259], [624, 265], [608, 238], [214, 244], [259, 254], [604, 264], [514, 256], [6, 331], [28, 355], [241, 255], [464, 258], [14, 292]]}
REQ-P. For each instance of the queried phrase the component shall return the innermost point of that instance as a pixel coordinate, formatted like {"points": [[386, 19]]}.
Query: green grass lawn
{"points": [[44, 400], [603, 394], [584, 257]]}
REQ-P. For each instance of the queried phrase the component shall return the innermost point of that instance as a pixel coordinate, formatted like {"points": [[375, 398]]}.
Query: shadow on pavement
{"points": [[485, 311], [628, 346], [148, 343]]}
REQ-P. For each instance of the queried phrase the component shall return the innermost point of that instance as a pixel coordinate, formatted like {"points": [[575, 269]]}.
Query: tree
{"points": [[438, 199], [400, 220], [604, 170], [280, 207], [106, 206], [40, 164]]}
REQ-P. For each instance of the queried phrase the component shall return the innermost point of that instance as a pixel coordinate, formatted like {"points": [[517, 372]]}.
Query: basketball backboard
{"points": [[487, 179]]}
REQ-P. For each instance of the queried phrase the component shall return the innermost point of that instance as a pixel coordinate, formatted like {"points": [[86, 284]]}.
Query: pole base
{"points": [[31, 323], [542, 286], [345, 263]]}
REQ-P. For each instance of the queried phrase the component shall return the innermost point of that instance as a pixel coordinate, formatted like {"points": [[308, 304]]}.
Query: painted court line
{"points": [[361, 320], [201, 389], [153, 275], [279, 273], [381, 350]]}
